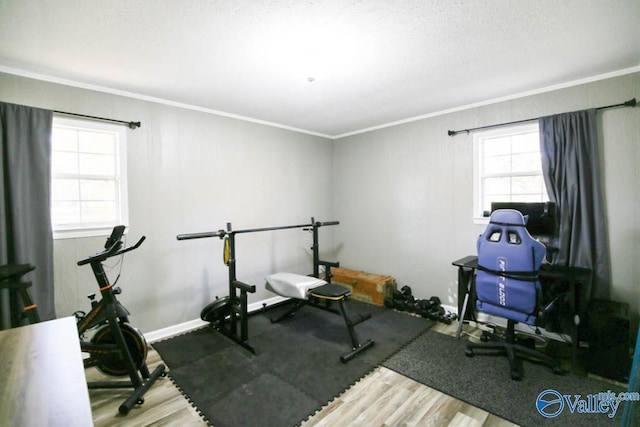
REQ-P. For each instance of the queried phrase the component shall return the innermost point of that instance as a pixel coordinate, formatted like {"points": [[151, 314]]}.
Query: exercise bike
{"points": [[116, 348]]}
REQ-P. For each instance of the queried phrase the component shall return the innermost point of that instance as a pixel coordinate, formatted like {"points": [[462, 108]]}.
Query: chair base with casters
{"points": [[318, 293], [513, 348]]}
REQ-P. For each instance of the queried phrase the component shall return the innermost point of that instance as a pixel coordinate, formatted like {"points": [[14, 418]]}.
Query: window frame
{"points": [[79, 230], [478, 174]]}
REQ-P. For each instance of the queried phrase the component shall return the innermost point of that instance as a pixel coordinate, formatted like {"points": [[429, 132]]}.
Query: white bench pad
{"points": [[292, 285]]}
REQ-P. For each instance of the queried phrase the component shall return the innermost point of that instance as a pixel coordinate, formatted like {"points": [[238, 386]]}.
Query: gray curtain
{"points": [[571, 169], [25, 219]]}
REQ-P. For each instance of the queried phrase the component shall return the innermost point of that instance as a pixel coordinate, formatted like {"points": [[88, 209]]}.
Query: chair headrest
{"points": [[507, 217]]}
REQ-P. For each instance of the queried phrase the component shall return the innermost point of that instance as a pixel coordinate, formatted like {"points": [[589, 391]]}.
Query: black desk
{"points": [[466, 290], [577, 278]]}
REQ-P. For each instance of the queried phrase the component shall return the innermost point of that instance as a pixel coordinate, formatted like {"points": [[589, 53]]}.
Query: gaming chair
{"points": [[507, 285]]}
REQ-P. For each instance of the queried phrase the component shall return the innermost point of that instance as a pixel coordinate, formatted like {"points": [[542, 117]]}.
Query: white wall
{"points": [[190, 172], [404, 194]]}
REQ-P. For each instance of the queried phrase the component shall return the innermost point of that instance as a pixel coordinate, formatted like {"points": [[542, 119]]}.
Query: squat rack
{"points": [[238, 302]]}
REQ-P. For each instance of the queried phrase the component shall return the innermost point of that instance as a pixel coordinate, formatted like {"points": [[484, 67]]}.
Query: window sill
{"points": [[78, 233], [481, 220]]}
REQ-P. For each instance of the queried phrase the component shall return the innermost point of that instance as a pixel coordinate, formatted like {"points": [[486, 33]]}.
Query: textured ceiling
{"points": [[372, 62]]}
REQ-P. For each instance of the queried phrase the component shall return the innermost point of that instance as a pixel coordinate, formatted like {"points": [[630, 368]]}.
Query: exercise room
{"points": [[323, 213]]}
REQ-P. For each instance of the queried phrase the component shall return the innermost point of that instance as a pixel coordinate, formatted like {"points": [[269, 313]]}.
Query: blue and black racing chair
{"points": [[507, 285]]}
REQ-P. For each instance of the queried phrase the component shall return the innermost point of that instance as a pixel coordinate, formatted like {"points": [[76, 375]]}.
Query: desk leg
{"points": [[461, 316], [465, 276]]}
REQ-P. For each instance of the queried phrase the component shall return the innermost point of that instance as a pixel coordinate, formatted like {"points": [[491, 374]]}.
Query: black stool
{"points": [[329, 293], [10, 275]]}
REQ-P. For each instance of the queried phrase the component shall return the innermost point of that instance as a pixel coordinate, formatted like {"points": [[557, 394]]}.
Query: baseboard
{"points": [[181, 328], [450, 309], [185, 327], [484, 318], [266, 303]]}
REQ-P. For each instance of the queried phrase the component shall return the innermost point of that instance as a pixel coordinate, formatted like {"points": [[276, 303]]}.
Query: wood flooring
{"points": [[386, 398], [382, 398]]}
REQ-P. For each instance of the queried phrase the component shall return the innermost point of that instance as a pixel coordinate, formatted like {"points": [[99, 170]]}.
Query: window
{"points": [[507, 167], [88, 178]]}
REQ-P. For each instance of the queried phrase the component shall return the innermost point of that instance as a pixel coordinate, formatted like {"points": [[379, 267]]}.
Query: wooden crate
{"points": [[366, 287]]}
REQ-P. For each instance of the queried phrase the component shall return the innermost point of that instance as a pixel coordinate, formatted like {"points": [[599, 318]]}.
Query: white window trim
{"points": [[478, 137], [78, 231]]}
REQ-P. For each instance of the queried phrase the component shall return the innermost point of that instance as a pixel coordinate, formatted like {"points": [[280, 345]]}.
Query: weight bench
{"points": [[307, 290]]}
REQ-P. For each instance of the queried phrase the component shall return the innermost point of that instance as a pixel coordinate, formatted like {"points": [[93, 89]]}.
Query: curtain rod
{"points": [[629, 103], [130, 125]]}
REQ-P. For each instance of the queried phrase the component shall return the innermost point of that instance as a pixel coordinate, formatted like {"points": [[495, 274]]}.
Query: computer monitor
{"points": [[542, 216]]}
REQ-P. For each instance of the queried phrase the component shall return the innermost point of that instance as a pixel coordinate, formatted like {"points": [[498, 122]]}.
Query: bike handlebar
{"points": [[112, 251]]}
